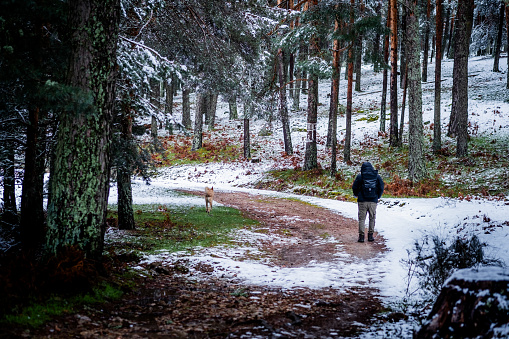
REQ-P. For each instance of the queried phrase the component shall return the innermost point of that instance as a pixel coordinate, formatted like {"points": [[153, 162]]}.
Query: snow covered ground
{"points": [[400, 221]]}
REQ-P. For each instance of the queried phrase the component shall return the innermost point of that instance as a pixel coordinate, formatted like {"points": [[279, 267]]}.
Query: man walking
{"points": [[368, 187]]}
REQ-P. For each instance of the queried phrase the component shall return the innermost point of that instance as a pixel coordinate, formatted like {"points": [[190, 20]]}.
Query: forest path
{"points": [[183, 298]]}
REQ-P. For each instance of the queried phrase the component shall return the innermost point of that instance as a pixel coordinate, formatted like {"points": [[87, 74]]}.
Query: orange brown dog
{"points": [[209, 196]]}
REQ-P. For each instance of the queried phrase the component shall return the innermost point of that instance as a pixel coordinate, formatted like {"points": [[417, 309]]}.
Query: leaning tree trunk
{"points": [[498, 43], [460, 73], [393, 140], [186, 109], [437, 124], [416, 163], [80, 178], [283, 105]]}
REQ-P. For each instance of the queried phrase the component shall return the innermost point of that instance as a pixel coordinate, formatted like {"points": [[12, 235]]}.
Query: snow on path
{"points": [[400, 221]]}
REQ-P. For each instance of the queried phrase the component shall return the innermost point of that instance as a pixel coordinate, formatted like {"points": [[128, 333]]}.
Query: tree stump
{"points": [[473, 303]]}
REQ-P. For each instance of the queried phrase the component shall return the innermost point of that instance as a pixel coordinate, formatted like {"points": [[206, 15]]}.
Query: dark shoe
{"points": [[361, 238], [370, 237]]}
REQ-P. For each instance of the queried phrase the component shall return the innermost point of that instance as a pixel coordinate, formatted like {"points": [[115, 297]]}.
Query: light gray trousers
{"points": [[366, 207]]}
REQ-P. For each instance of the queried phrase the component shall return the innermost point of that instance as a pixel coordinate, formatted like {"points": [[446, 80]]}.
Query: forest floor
{"points": [[170, 303]]}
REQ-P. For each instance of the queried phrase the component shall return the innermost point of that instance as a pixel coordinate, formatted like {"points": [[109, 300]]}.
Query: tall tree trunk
{"points": [[507, 42], [211, 111], [10, 213], [334, 100], [155, 97], [426, 42], [247, 138], [402, 45], [460, 75], [124, 172], [283, 105], [416, 163], [437, 123], [358, 63], [186, 108], [32, 212], [450, 42], [169, 88], [334, 97], [349, 96], [393, 141], [201, 108], [383, 104], [498, 43], [232, 103], [80, 179], [447, 37], [311, 157], [403, 103]]}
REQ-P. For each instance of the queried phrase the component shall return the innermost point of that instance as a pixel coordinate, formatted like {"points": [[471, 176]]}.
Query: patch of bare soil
{"points": [[171, 305]]}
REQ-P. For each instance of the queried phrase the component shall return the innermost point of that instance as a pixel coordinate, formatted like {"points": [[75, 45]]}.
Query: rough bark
{"points": [[437, 124], [458, 125], [498, 42], [393, 140], [283, 105], [80, 178], [186, 109], [247, 139], [416, 163]]}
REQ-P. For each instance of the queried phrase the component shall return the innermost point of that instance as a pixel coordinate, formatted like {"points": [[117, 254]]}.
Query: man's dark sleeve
{"points": [[355, 186], [381, 186]]}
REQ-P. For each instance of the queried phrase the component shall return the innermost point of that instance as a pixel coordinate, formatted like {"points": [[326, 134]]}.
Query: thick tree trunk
{"points": [[232, 103], [416, 163], [80, 179], [186, 109], [124, 172], [437, 123], [459, 113], [383, 104], [498, 43], [393, 141], [32, 212], [283, 105], [201, 108]]}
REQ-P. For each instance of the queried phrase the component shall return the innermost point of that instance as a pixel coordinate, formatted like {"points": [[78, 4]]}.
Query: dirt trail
{"points": [[306, 222], [172, 304]]}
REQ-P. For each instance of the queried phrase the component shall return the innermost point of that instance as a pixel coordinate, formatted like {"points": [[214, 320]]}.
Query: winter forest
{"points": [[116, 116]]}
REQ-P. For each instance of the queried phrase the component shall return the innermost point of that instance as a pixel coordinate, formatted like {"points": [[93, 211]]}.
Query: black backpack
{"points": [[369, 184]]}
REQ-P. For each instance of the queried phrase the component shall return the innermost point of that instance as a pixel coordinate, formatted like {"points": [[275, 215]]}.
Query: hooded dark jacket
{"points": [[367, 170]]}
